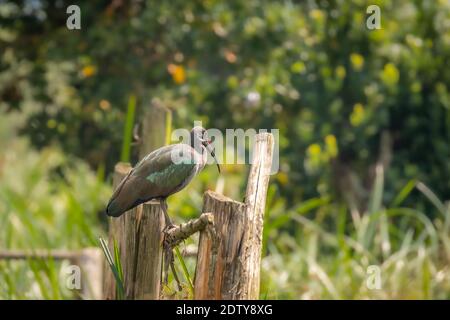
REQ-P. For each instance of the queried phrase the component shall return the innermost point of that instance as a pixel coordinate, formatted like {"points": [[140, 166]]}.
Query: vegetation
{"points": [[364, 119]]}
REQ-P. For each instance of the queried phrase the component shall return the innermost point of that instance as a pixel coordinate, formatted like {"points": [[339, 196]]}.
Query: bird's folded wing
{"points": [[163, 171], [157, 175]]}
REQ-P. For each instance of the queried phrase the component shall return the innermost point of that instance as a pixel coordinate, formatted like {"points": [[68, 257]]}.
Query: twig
{"points": [[179, 233]]}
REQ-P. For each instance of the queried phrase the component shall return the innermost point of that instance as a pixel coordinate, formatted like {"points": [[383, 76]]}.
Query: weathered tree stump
{"points": [[143, 251], [218, 268]]}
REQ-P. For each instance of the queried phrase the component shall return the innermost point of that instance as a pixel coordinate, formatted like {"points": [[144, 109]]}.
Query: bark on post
{"points": [[143, 251], [229, 253], [218, 267], [255, 203]]}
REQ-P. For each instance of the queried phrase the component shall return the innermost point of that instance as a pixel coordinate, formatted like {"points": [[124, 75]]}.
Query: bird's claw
{"points": [[168, 227]]}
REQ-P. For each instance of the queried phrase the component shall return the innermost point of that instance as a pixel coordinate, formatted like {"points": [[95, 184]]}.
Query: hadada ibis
{"points": [[162, 173]]}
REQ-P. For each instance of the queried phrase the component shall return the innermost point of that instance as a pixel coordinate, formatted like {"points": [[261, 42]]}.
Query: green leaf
{"points": [[128, 131], [114, 268], [404, 193], [185, 270]]}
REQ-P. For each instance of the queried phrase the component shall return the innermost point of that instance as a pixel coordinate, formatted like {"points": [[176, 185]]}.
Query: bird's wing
{"points": [[164, 170], [159, 174]]}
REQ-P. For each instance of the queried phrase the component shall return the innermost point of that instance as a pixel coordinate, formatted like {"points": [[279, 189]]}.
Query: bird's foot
{"points": [[168, 227]]}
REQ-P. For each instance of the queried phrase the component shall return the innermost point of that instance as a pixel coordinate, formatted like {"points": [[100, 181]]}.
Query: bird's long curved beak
{"points": [[211, 151]]}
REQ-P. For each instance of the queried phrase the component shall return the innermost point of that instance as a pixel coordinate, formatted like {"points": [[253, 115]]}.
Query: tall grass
{"points": [[115, 266], [327, 255], [47, 200]]}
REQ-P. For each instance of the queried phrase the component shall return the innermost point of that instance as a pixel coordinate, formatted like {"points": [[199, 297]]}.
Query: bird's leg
{"points": [[169, 224], [168, 252]]}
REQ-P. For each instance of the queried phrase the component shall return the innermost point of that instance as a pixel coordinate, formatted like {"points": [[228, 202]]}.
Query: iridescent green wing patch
{"points": [[172, 175]]}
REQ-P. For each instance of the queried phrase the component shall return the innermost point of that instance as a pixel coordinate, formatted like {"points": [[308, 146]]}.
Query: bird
{"points": [[162, 173]]}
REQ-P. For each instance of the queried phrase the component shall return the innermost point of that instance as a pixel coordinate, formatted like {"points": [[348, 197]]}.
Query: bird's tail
{"points": [[113, 210], [123, 199]]}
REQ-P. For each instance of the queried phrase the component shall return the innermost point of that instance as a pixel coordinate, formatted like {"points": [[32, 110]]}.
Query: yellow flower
{"points": [[177, 72], [314, 150], [390, 74], [298, 67], [282, 178], [357, 116], [331, 145], [357, 61], [314, 157], [340, 72], [88, 71], [316, 14]]}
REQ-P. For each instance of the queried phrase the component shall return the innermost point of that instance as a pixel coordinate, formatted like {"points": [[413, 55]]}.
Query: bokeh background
{"points": [[364, 120]]}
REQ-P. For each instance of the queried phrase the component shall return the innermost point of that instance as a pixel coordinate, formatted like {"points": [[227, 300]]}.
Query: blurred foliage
{"points": [[347, 101], [311, 69], [317, 250], [47, 200]]}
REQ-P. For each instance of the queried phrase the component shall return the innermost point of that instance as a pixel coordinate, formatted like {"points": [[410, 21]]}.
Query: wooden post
{"points": [[156, 125], [90, 261], [255, 203], [143, 251], [229, 253], [138, 232], [218, 267]]}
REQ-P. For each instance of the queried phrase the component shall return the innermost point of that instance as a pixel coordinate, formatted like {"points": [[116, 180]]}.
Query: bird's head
{"points": [[199, 135]]}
